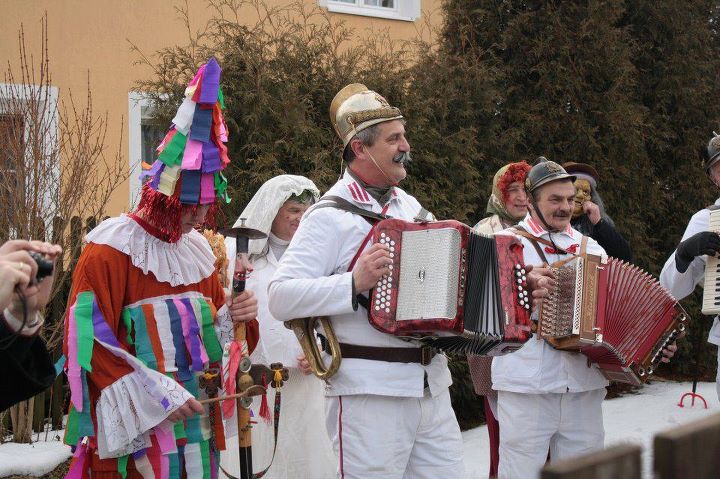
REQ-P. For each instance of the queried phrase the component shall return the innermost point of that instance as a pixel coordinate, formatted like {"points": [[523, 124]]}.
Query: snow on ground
{"points": [[634, 418], [33, 459]]}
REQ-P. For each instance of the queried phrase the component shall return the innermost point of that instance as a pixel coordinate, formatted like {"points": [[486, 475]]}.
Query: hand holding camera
{"points": [[24, 267]]}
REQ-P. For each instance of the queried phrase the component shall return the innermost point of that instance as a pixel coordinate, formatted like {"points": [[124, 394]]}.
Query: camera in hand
{"points": [[44, 266]]}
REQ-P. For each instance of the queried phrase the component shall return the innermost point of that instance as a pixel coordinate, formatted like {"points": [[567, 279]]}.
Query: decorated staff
{"points": [[140, 331], [242, 375]]}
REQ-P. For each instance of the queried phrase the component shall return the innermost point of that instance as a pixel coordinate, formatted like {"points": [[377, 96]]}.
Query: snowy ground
{"points": [[633, 418]]}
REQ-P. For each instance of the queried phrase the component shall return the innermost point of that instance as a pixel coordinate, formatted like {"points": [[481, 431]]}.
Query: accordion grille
{"points": [[429, 274]]}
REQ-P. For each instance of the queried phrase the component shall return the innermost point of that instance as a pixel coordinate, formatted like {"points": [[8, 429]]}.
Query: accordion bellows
{"points": [[461, 291], [615, 313]]}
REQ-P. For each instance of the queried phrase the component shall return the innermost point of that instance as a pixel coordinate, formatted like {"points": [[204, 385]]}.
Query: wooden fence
{"points": [[688, 451]]}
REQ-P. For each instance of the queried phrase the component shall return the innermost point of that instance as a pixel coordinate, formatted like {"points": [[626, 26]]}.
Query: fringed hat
{"points": [[191, 157], [356, 108]]}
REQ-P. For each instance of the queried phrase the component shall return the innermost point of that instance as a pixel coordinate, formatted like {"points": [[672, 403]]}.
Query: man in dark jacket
{"points": [[589, 216]]}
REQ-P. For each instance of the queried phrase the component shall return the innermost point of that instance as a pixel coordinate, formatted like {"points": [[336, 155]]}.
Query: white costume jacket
{"points": [[537, 367], [312, 280]]}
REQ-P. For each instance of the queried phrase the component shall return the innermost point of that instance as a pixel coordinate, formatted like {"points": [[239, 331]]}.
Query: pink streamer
{"points": [[78, 463], [192, 157], [230, 383], [197, 76], [207, 188]]}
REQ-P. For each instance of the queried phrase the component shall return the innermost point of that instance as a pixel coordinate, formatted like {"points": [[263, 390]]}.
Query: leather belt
{"points": [[422, 355]]}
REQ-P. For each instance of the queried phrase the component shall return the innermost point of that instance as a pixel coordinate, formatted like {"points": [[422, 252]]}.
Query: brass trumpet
{"points": [[304, 329]]}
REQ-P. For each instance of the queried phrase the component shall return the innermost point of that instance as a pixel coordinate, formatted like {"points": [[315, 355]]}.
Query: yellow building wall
{"points": [[93, 36]]}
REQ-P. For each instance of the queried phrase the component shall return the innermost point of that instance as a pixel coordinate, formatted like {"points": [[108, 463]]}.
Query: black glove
{"points": [[698, 244]]}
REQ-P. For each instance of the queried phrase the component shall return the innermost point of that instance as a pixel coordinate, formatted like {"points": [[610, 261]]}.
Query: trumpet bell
{"points": [[304, 329]]}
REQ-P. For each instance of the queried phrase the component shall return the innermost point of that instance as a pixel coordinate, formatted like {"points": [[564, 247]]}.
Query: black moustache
{"points": [[402, 158]]}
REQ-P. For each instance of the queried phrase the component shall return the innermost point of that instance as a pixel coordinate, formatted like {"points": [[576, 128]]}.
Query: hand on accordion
{"points": [[540, 281], [669, 352], [372, 264]]}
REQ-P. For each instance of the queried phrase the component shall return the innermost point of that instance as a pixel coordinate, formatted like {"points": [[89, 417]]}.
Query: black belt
{"points": [[422, 355]]}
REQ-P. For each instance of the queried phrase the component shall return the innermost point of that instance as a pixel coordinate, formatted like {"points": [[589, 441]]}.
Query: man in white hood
{"points": [[276, 210]]}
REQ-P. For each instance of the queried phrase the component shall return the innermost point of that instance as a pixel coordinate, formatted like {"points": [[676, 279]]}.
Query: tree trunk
{"points": [[21, 416]]}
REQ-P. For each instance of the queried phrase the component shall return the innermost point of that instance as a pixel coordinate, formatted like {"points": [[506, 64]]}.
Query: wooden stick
{"points": [[255, 390]]}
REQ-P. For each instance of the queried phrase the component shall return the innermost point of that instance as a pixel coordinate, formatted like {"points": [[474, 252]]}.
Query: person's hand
{"points": [[705, 242], [540, 281], [371, 266], [244, 307], [12, 273], [51, 251], [186, 411], [36, 295], [303, 364], [669, 352], [592, 211]]}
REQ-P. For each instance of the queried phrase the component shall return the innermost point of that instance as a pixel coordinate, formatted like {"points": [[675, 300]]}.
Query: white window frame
{"points": [[136, 102], [34, 92], [405, 10]]}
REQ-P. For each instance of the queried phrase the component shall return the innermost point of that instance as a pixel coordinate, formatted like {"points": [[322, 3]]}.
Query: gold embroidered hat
{"points": [[356, 108]]}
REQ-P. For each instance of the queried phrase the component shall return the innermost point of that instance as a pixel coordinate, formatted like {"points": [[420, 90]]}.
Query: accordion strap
{"points": [[520, 231], [332, 201]]}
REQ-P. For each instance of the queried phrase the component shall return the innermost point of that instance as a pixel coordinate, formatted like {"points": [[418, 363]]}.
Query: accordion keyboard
{"points": [[711, 288]]}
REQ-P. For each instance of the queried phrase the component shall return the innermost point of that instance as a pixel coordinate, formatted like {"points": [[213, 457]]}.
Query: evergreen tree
{"points": [[678, 83]]}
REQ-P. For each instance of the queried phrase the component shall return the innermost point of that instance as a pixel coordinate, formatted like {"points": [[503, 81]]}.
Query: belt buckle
{"points": [[426, 355]]}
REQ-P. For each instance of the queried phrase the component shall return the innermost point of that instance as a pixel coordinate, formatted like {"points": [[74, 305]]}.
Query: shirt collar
{"points": [[537, 230], [358, 192]]}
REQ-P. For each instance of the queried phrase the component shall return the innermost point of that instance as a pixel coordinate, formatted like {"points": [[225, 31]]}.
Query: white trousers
{"points": [[567, 425], [386, 437]]}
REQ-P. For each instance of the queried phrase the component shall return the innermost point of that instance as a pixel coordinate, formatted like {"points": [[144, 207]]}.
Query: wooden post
{"points": [[689, 451], [617, 462]]}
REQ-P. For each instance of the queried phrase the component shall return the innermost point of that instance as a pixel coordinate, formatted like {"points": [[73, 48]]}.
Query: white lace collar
{"points": [[188, 261]]}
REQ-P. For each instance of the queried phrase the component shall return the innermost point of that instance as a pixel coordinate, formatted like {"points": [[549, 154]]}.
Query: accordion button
{"points": [[524, 278], [392, 243], [517, 266], [390, 267], [519, 281], [377, 308], [522, 271], [387, 310], [392, 255]]}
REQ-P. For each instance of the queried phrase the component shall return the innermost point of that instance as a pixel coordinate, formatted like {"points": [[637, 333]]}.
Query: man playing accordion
{"points": [[547, 399], [388, 407], [685, 268]]}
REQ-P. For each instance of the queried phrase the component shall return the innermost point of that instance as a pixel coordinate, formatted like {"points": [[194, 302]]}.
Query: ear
{"points": [[357, 147]]}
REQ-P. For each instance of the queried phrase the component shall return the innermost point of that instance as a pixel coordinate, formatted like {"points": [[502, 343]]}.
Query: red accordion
{"points": [[462, 291], [615, 313]]}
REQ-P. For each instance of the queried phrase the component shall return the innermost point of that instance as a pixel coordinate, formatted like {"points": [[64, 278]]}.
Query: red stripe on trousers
{"points": [[342, 469]]}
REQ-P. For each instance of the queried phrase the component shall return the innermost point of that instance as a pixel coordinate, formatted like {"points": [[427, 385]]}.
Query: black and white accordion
{"points": [[615, 313], [461, 291], [711, 285]]}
